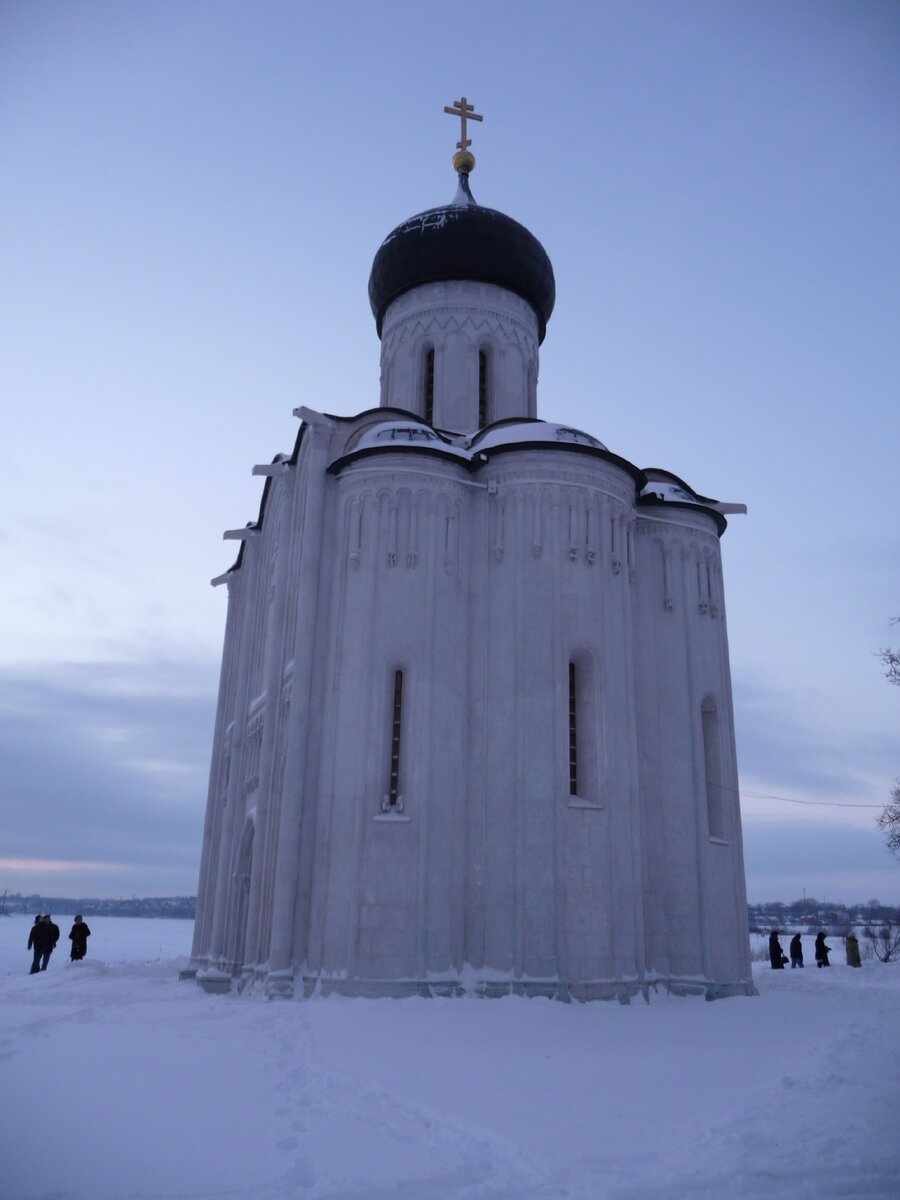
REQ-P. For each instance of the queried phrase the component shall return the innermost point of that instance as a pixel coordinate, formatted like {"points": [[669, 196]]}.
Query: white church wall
{"points": [[729, 956], [234, 803], [387, 907], [492, 861], [694, 908], [273, 558], [666, 717], [522, 682], [558, 883], [295, 840], [660, 820], [218, 782]]}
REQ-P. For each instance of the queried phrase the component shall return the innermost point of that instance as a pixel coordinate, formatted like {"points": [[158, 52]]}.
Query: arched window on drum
{"points": [[712, 763], [428, 385], [483, 388]]}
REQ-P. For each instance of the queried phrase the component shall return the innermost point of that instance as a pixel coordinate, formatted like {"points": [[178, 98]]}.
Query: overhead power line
{"points": [[816, 803]]}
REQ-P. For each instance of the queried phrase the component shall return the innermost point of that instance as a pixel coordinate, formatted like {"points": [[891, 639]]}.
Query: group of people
{"points": [[778, 958], [45, 934]]}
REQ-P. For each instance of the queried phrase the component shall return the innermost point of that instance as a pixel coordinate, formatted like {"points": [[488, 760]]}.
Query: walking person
{"points": [[36, 943], [796, 949], [777, 956], [51, 937], [822, 951], [78, 937]]}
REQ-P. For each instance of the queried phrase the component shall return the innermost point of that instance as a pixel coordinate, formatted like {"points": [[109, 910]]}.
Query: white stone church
{"points": [[474, 728]]}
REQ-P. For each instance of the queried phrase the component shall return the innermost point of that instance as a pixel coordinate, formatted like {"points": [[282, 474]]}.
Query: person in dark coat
{"points": [[43, 938], [52, 937], [36, 943], [822, 951], [78, 937], [776, 955], [796, 951]]}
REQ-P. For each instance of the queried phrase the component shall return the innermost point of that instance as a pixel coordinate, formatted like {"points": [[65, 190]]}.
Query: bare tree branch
{"points": [[888, 820], [890, 660], [885, 942]]}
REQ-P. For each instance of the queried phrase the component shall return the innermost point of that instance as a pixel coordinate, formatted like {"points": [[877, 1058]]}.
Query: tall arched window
{"points": [[482, 389], [583, 731], [393, 801], [712, 762], [573, 730], [429, 387]]}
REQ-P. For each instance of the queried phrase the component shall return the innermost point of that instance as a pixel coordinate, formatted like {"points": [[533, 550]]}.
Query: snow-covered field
{"points": [[118, 1081]]}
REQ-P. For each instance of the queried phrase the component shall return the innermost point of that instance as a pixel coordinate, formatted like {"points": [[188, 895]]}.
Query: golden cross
{"points": [[465, 112]]}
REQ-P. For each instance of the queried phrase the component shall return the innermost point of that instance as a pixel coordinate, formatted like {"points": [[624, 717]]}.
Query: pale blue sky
{"points": [[191, 195]]}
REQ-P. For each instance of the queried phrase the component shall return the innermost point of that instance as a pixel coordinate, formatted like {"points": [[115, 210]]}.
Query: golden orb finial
{"points": [[463, 162]]}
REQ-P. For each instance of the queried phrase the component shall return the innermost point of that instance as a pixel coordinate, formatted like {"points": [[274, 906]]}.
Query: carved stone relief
{"points": [[406, 519]]}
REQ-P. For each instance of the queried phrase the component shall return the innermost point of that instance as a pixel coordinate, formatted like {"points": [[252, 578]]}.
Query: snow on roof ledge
{"points": [[505, 434], [663, 487], [401, 433]]}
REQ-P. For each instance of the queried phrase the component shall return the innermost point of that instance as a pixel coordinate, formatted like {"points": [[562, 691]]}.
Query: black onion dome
{"points": [[463, 241]]}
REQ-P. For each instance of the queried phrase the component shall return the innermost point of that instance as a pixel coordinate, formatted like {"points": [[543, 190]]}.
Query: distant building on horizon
{"points": [[475, 728]]}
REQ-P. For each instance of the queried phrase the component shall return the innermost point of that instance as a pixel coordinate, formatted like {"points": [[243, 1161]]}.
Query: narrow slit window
{"points": [[429, 387], [573, 732], [396, 725], [482, 388], [712, 762]]}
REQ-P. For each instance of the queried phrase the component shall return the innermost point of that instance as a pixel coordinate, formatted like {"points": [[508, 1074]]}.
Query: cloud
{"points": [[835, 861], [833, 852], [54, 864], [777, 746], [107, 764]]}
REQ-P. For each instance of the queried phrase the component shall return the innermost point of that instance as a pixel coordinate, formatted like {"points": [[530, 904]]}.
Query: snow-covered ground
{"points": [[118, 1081]]}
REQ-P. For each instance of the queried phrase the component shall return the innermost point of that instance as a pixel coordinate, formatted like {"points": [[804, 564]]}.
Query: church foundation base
{"points": [[284, 985], [723, 991], [280, 985], [702, 987], [247, 978], [214, 981], [398, 989]]}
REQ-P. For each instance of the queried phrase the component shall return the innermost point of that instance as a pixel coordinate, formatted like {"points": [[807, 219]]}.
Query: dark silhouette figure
{"points": [[776, 955], [78, 937], [52, 939], [822, 951], [36, 943], [796, 949], [851, 949], [43, 938]]}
